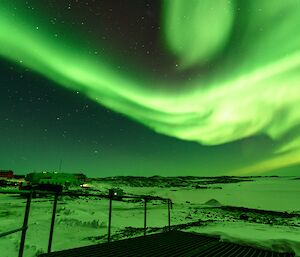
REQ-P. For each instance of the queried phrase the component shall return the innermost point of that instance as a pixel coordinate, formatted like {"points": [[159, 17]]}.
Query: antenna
{"points": [[60, 164]]}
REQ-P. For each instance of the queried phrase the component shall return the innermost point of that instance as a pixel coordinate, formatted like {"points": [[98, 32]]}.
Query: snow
{"points": [[83, 221], [276, 238]]}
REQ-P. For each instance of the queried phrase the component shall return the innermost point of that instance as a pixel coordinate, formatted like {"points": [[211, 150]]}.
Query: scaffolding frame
{"points": [[30, 193]]}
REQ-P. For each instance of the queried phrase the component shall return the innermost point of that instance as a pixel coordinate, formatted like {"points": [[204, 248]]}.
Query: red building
{"points": [[6, 174]]}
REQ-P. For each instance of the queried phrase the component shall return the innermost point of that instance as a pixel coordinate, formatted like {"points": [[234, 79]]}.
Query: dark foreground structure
{"points": [[173, 243]]}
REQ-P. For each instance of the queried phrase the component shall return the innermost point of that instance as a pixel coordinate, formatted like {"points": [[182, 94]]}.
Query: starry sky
{"points": [[132, 87]]}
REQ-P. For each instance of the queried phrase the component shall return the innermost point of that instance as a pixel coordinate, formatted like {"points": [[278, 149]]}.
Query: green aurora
{"points": [[252, 89]]}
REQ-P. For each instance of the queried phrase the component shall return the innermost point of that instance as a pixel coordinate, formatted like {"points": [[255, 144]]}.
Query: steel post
{"points": [[169, 215], [25, 224], [52, 222], [145, 216], [109, 217]]}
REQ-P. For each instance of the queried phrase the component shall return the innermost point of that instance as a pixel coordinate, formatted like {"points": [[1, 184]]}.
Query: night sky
{"points": [[132, 87]]}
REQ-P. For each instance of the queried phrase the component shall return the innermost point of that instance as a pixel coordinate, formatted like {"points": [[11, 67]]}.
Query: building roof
{"points": [[173, 243]]}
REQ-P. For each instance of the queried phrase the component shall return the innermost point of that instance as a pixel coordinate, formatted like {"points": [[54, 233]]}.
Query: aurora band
{"points": [[252, 87]]}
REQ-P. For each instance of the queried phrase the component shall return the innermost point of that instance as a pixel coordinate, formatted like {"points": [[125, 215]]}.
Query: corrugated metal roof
{"points": [[173, 243]]}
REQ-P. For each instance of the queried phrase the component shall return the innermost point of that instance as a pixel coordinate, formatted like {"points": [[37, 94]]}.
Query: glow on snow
{"points": [[256, 90]]}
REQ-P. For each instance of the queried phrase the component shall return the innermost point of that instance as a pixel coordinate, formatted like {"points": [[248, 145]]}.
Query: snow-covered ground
{"points": [[263, 211]]}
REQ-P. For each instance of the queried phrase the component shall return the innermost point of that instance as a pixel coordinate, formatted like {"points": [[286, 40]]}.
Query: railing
{"points": [[30, 193]]}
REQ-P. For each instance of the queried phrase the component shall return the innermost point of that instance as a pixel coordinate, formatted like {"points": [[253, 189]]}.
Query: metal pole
{"points": [[109, 217], [25, 224], [169, 215], [52, 222], [11, 232], [145, 216]]}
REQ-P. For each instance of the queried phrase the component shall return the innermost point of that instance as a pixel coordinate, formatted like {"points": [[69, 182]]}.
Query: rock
{"points": [[213, 202], [244, 216]]}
